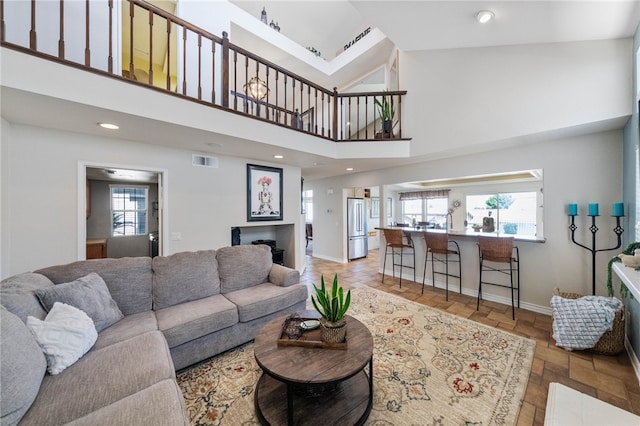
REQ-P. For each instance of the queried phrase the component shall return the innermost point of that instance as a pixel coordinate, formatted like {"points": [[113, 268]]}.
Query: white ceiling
{"points": [[328, 25]]}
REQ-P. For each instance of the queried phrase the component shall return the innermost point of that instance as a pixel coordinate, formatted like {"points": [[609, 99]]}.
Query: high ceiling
{"points": [[328, 25]]}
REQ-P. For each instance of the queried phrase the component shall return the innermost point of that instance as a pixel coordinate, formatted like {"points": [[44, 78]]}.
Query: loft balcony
{"points": [[139, 43]]}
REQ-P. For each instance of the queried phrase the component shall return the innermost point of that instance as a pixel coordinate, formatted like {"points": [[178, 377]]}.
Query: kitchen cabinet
{"points": [[97, 248]]}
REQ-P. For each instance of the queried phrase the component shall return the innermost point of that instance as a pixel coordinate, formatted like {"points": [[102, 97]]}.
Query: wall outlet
{"points": [[176, 236]]}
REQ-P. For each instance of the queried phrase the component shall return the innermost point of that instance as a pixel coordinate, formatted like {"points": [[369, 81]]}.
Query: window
{"points": [[505, 213], [430, 210], [307, 200], [412, 211], [129, 206]]}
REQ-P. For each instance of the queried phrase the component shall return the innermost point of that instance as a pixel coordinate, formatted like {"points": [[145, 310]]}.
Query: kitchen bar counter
{"points": [[466, 234], [470, 261]]}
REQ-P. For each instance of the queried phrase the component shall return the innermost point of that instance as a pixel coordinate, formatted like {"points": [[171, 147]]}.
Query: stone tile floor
{"points": [[608, 378]]}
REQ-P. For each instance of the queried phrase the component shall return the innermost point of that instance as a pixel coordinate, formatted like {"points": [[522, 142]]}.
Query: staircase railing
{"points": [[141, 43]]}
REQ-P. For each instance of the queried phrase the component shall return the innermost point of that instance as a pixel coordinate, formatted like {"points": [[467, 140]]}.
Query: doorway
{"points": [[123, 212], [307, 203]]}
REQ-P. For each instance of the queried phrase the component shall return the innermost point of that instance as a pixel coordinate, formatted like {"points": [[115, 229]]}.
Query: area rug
{"points": [[430, 367]]}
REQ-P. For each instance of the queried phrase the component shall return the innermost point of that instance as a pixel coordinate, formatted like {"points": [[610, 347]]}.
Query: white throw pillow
{"points": [[65, 335]]}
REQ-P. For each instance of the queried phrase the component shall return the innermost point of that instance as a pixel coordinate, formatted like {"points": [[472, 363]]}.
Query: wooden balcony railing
{"points": [[139, 42]]}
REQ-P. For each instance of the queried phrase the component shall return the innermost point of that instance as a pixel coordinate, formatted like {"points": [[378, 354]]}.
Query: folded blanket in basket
{"points": [[579, 323]]}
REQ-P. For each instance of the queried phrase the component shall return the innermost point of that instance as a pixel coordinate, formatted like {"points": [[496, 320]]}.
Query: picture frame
{"points": [[375, 207], [264, 193]]}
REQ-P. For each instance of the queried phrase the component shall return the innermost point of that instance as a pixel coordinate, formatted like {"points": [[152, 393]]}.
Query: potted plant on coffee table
{"points": [[332, 305]]}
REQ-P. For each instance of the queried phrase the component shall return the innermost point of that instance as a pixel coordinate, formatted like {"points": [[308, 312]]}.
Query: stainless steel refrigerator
{"points": [[357, 238]]}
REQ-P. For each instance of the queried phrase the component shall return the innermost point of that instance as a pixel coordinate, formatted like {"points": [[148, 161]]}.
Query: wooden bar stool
{"points": [[500, 250], [447, 251], [396, 241]]}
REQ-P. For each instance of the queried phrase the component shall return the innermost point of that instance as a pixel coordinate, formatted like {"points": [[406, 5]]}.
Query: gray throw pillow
{"points": [[89, 294], [17, 294], [22, 369]]}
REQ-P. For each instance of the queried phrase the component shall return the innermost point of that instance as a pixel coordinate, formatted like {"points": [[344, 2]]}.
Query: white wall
{"points": [[40, 195], [580, 170], [4, 235], [460, 98]]}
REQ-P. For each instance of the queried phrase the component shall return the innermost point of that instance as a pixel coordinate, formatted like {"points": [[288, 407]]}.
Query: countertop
{"points": [[629, 276], [464, 234]]}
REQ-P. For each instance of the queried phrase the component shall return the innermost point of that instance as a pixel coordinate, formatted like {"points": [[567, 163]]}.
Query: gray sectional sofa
{"points": [[158, 316]]}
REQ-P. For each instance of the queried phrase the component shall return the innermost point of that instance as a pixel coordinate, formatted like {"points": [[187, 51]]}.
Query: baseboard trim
{"points": [[546, 310], [632, 357]]}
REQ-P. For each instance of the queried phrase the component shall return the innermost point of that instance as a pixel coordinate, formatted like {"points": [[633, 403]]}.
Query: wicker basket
{"points": [[611, 342]]}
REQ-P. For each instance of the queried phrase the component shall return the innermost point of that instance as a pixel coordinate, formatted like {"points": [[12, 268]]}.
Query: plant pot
{"points": [[387, 126], [333, 332]]}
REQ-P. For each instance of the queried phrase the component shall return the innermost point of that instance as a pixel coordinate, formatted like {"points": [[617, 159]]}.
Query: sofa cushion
{"points": [[243, 266], [163, 405], [65, 335], [126, 328], [129, 279], [188, 321], [100, 378], [264, 299], [21, 370], [17, 294], [283, 276], [183, 277], [89, 294]]}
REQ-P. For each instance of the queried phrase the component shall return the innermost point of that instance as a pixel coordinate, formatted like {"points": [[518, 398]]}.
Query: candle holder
{"points": [[594, 229]]}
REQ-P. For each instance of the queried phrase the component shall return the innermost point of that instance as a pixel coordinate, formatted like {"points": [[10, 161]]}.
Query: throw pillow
{"points": [[22, 368], [18, 295], [65, 335], [89, 294]]}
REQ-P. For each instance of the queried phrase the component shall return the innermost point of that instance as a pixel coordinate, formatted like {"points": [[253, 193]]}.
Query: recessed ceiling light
{"points": [[278, 156], [485, 16], [109, 126], [349, 169]]}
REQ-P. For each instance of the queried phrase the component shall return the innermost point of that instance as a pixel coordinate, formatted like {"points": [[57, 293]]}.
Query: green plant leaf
{"points": [[331, 304]]}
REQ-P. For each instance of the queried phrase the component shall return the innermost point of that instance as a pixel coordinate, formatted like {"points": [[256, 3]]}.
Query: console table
{"points": [[629, 276]]}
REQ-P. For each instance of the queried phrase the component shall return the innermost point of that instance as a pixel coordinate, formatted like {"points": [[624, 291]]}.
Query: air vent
{"points": [[204, 161]]}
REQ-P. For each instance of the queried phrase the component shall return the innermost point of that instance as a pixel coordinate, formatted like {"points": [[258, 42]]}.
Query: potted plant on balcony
{"points": [[387, 112], [332, 305]]}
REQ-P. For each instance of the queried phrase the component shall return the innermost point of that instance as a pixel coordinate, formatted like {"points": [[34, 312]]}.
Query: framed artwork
{"points": [[264, 193], [375, 207]]}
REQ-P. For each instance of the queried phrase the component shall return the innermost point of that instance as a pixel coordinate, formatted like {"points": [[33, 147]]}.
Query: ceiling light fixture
{"points": [[257, 88], [485, 16], [349, 169], [278, 156], [109, 126]]}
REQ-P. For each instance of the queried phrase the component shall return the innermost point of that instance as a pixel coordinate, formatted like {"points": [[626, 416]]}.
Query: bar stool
{"points": [[396, 240], [439, 244], [500, 250]]}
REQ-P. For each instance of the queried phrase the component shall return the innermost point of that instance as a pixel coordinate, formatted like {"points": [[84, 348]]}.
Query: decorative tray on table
{"points": [[305, 332]]}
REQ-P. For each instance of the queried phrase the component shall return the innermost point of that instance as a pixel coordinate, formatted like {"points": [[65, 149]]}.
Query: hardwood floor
{"points": [[608, 378]]}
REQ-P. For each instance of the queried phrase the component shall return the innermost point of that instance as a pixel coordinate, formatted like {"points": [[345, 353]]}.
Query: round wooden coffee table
{"points": [[318, 385]]}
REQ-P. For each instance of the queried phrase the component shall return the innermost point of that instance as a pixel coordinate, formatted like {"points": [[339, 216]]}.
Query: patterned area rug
{"points": [[430, 367]]}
